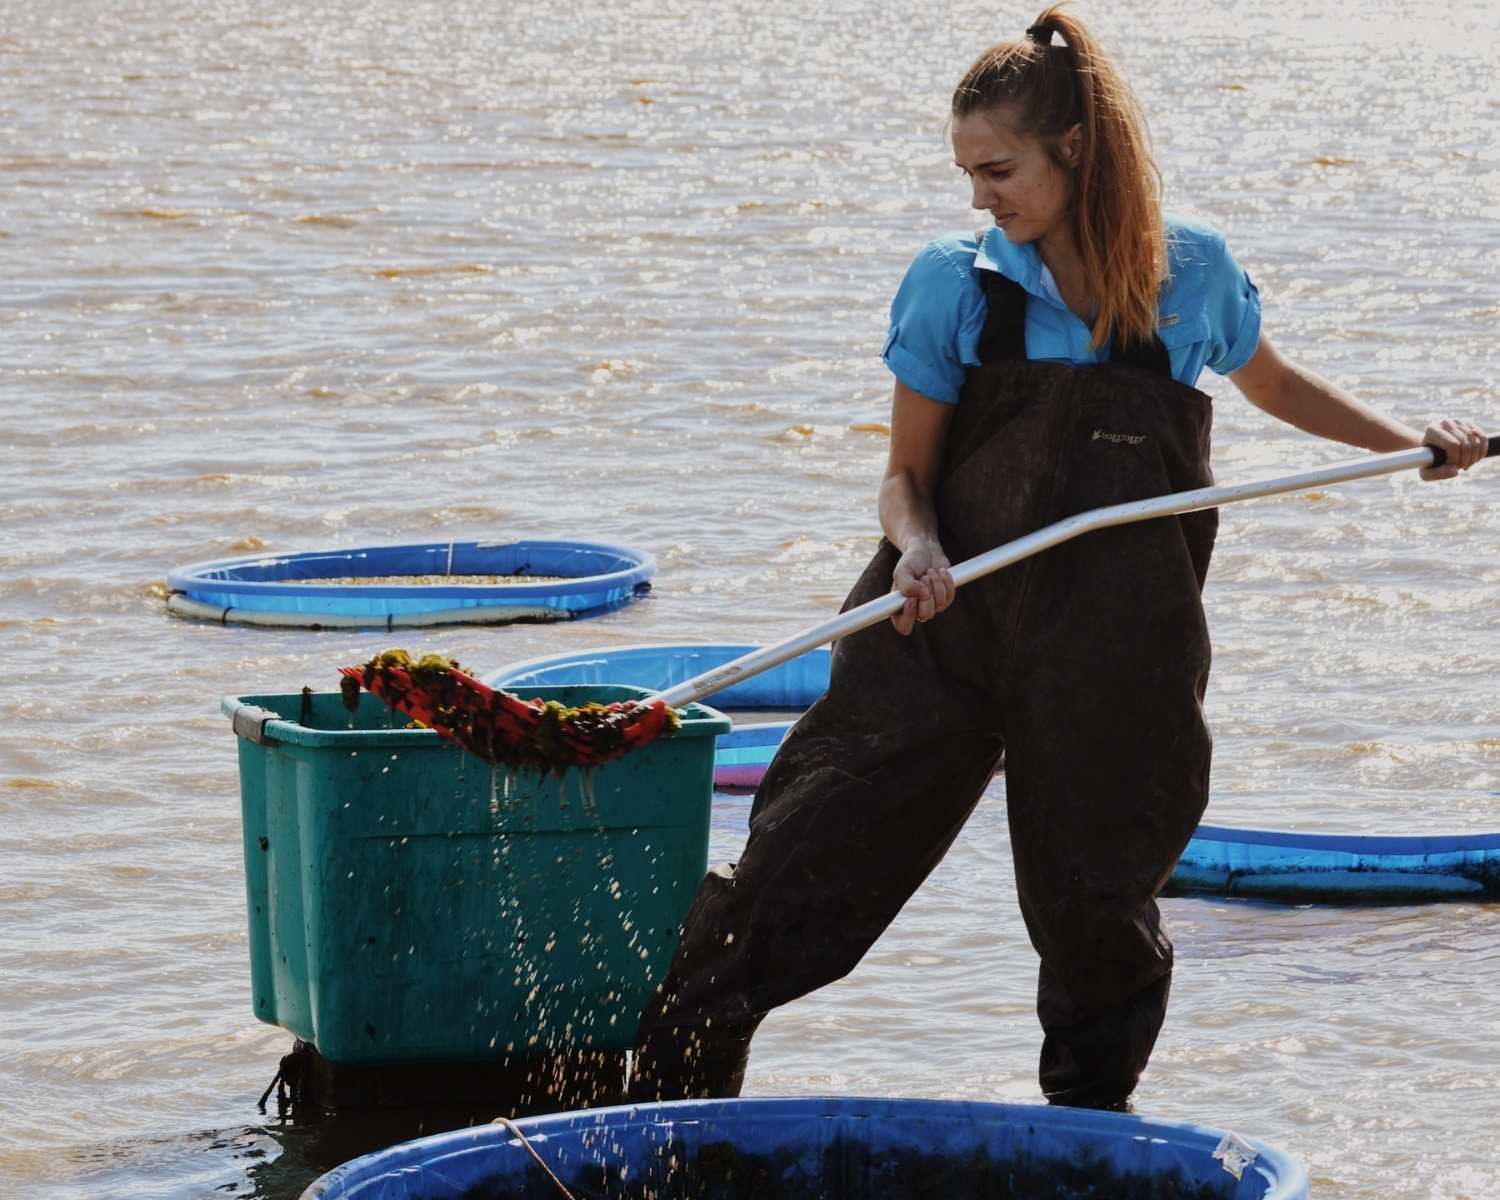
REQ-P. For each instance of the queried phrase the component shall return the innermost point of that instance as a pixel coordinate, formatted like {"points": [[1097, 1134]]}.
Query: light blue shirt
{"points": [[1209, 310]]}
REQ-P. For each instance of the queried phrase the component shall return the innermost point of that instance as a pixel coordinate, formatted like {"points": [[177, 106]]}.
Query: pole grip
{"points": [[1440, 456]]}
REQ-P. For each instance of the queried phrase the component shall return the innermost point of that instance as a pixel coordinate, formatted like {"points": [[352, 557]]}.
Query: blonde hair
{"points": [[1117, 185]]}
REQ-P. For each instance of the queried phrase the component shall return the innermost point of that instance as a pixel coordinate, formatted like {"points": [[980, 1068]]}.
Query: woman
{"points": [[1042, 369]]}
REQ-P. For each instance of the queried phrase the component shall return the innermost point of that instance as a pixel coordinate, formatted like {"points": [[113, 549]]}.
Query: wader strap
{"points": [[1003, 338], [1150, 356]]}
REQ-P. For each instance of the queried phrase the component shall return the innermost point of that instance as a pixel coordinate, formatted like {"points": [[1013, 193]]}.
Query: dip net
{"points": [[500, 727]]}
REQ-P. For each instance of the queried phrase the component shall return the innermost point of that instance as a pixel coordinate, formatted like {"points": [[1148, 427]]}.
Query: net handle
{"points": [[757, 661]]}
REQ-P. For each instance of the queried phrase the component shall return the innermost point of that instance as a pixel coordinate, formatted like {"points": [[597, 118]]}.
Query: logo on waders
{"points": [[1120, 439]]}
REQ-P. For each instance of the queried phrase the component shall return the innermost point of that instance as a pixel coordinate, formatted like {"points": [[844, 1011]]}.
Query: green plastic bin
{"points": [[408, 902]]}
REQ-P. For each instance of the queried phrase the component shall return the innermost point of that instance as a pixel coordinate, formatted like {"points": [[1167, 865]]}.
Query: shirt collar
{"points": [[1023, 264], [1020, 263]]}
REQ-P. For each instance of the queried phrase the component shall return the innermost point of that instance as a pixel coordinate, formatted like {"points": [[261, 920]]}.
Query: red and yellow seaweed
{"points": [[500, 727]]}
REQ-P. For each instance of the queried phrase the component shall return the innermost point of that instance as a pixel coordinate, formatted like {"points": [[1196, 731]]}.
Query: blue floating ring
{"points": [[742, 755], [586, 578], [1299, 868], [809, 1141]]}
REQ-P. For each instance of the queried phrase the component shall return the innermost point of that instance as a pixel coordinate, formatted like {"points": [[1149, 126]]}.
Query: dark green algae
{"points": [[853, 1171]]}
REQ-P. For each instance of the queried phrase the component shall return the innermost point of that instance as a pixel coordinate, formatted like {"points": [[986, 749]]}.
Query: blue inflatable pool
{"points": [[1302, 867], [792, 686], [743, 754], [574, 579], [828, 1149]]}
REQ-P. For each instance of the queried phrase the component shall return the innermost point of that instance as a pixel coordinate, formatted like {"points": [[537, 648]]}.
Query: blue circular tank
{"points": [[575, 578], [830, 1149], [742, 755], [790, 686]]}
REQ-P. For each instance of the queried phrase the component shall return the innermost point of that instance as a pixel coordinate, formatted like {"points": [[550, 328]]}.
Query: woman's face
{"points": [[1015, 179]]}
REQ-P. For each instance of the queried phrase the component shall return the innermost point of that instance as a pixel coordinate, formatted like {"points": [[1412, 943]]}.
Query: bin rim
{"points": [[1289, 1178]]}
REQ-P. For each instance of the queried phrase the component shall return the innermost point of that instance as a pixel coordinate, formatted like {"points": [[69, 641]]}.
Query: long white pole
{"points": [[1033, 543]]}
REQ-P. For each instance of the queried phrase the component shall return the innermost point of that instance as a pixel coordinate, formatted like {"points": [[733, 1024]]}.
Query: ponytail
{"points": [[1117, 186]]}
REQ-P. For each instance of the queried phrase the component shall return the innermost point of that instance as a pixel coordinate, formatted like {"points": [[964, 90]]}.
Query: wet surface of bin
{"points": [[407, 902], [829, 1149]]}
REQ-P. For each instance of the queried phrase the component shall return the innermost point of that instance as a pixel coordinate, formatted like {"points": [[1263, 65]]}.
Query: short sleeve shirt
{"points": [[1209, 310]]}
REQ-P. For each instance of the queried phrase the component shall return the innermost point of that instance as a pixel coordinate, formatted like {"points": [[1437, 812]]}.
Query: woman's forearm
{"points": [[1290, 392], [907, 515]]}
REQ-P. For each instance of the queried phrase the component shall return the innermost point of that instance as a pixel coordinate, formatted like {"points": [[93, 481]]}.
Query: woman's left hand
{"points": [[1462, 441]]}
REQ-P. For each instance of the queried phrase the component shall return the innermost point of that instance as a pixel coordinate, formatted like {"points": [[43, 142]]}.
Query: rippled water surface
{"points": [[286, 277]]}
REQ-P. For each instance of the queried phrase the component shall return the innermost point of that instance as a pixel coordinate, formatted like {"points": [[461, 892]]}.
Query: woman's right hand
{"points": [[1462, 443], [922, 576]]}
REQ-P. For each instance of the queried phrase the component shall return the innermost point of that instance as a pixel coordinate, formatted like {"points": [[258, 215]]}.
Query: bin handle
{"points": [[250, 721]]}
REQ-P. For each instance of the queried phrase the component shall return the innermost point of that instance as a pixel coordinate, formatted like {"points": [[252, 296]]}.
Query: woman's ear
{"points": [[1071, 145]]}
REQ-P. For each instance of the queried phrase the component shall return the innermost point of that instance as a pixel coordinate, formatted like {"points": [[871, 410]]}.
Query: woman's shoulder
{"points": [[1192, 242], [935, 318], [941, 279], [1209, 294], [946, 260]]}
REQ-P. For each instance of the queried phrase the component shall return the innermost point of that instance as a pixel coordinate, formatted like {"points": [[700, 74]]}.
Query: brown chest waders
{"points": [[1085, 666]]}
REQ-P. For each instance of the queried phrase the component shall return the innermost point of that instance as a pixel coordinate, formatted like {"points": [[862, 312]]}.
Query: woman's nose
{"points": [[984, 195]]}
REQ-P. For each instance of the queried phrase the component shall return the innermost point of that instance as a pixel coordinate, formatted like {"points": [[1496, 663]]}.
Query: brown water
{"points": [[295, 277]]}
